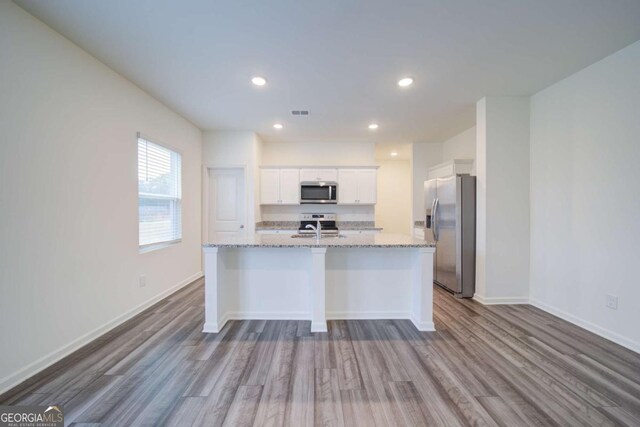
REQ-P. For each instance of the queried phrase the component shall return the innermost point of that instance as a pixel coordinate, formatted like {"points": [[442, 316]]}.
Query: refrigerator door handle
{"points": [[434, 218]]}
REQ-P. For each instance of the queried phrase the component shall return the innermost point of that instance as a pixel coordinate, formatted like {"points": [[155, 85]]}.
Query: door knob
{"points": [[242, 226]]}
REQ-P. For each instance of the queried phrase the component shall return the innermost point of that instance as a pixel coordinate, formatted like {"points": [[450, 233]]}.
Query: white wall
{"points": [[460, 146], [393, 210], [585, 203], [502, 169], [324, 153], [69, 261], [424, 156], [242, 149]]}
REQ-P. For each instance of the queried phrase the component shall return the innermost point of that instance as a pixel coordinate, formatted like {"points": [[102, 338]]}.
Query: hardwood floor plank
{"points": [[356, 408], [300, 405], [324, 351], [328, 405], [130, 402], [503, 378], [276, 392], [243, 409], [213, 368], [455, 388], [376, 377], [501, 413], [185, 411], [621, 416], [221, 395], [349, 377], [259, 364], [372, 378], [565, 405], [90, 395]]}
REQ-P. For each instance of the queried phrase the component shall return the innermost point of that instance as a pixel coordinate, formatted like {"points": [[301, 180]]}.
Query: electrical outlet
{"points": [[612, 302], [142, 281]]}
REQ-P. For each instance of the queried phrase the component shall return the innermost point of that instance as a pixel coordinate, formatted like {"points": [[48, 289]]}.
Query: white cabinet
{"points": [[279, 186], [289, 186], [367, 186], [357, 186], [452, 167], [269, 186], [318, 175]]}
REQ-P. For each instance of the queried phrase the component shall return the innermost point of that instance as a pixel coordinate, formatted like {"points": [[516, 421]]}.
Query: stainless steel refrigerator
{"points": [[450, 221]]}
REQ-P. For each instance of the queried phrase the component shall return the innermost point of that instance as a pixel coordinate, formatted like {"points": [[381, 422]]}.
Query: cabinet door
{"points": [[328, 175], [347, 186], [318, 175], [290, 186], [309, 175], [367, 187], [269, 186]]}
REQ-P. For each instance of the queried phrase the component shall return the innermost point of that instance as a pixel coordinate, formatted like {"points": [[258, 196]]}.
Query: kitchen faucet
{"points": [[317, 229]]}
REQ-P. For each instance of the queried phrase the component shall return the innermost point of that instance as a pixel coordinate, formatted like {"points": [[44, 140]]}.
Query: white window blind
{"points": [[159, 194]]}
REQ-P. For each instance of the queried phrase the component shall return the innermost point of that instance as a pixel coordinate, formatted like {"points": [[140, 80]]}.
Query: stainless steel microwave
{"points": [[320, 192]]}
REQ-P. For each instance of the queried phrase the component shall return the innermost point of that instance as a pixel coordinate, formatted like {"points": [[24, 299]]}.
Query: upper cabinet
{"points": [[279, 186], [318, 175], [452, 167], [357, 186]]}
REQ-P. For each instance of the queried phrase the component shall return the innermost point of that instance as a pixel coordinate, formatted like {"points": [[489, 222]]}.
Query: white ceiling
{"points": [[341, 59]]}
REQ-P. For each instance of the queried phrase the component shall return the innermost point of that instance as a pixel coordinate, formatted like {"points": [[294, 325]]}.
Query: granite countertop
{"points": [[293, 225], [381, 240]]}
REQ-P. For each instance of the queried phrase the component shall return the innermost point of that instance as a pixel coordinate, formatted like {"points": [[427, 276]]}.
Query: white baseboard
{"points": [[500, 300], [585, 324], [423, 326], [318, 326], [7, 383], [266, 315], [367, 315]]}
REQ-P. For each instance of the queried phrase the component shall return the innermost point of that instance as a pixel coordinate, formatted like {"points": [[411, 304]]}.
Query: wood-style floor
{"points": [[499, 365]]}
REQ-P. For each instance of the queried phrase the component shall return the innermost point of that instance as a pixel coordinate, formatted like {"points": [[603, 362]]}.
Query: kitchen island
{"points": [[381, 276]]}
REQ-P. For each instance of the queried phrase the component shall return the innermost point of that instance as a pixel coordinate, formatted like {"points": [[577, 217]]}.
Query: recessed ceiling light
{"points": [[278, 126], [373, 126], [404, 82], [394, 153], [259, 81]]}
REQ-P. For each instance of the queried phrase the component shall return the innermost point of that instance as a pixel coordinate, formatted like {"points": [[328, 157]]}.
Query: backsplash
{"points": [[292, 213]]}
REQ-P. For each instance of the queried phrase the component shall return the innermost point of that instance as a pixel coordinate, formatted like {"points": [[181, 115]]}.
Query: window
{"points": [[159, 194]]}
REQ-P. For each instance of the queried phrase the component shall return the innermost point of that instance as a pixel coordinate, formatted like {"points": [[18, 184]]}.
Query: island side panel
{"points": [[211, 309], [369, 283], [422, 292], [318, 290]]}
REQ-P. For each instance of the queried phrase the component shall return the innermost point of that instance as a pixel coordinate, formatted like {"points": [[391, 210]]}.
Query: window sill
{"points": [[157, 246]]}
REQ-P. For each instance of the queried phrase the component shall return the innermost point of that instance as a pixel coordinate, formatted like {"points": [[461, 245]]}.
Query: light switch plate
{"points": [[142, 281], [612, 302]]}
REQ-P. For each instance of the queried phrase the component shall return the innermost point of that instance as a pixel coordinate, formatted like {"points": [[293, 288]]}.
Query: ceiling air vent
{"points": [[299, 112]]}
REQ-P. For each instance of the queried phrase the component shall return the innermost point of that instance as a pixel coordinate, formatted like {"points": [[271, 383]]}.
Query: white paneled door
{"points": [[225, 208]]}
